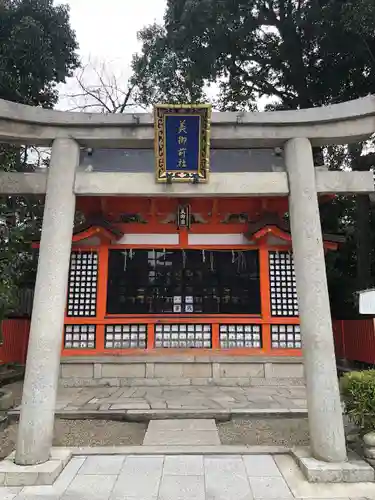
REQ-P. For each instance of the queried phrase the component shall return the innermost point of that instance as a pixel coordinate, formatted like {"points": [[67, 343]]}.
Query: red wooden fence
{"points": [[15, 340], [355, 340]]}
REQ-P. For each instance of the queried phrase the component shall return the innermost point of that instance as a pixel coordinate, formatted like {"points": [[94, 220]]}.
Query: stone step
{"points": [[190, 432]]}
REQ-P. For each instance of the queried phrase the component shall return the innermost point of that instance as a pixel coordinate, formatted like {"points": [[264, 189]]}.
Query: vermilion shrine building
{"points": [[140, 286], [156, 281]]}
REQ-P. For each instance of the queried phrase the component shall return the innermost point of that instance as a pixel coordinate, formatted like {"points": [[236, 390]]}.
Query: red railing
{"points": [[15, 341], [355, 340]]}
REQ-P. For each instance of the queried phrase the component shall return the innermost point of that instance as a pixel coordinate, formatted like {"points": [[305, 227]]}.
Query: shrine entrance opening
{"points": [[178, 282]]}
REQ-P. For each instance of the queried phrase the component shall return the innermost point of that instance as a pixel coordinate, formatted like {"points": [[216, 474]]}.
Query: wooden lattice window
{"points": [[80, 336], [286, 337], [283, 291], [125, 336], [238, 336], [82, 284], [183, 336]]}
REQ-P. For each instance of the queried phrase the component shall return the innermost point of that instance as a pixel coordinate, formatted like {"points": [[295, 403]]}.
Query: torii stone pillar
{"points": [[35, 432], [327, 437]]}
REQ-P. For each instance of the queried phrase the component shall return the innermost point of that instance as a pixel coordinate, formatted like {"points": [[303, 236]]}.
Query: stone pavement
{"points": [[195, 474], [182, 432], [167, 400], [188, 477]]}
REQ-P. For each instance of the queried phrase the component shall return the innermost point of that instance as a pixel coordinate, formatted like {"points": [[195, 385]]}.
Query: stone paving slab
{"points": [[102, 465], [181, 432], [178, 477], [231, 400], [182, 425], [183, 465], [180, 438]]}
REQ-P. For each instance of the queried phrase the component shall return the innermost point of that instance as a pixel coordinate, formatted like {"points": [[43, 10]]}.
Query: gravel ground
{"points": [[78, 432], [83, 433], [270, 431]]}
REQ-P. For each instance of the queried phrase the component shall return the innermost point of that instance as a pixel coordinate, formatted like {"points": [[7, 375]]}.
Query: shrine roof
{"points": [[270, 220]]}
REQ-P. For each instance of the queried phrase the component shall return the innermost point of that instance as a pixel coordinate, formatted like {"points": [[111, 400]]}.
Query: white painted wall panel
{"points": [[218, 239], [149, 239]]}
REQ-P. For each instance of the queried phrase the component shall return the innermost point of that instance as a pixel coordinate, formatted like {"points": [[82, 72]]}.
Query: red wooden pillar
{"points": [[101, 301], [265, 295]]}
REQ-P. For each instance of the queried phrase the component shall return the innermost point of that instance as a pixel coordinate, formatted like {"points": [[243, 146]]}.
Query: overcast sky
{"points": [[107, 32]]}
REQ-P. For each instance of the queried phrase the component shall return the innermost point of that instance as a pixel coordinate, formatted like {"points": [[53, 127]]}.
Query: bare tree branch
{"points": [[100, 90]]}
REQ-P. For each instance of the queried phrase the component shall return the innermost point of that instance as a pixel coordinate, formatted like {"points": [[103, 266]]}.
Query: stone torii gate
{"points": [[293, 131]]}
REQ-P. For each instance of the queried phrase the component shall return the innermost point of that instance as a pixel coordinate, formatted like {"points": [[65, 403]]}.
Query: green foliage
{"points": [[37, 50], [358, 391], [161, 75], [359, 17], [20, 221], [300, 53]]}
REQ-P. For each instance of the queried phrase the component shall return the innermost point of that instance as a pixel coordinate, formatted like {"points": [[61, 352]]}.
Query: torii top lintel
{"points": [[339, 123]]}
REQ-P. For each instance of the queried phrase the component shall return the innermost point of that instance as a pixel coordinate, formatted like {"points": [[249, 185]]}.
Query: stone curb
{"points": [[164, 414], [179, 450]]}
